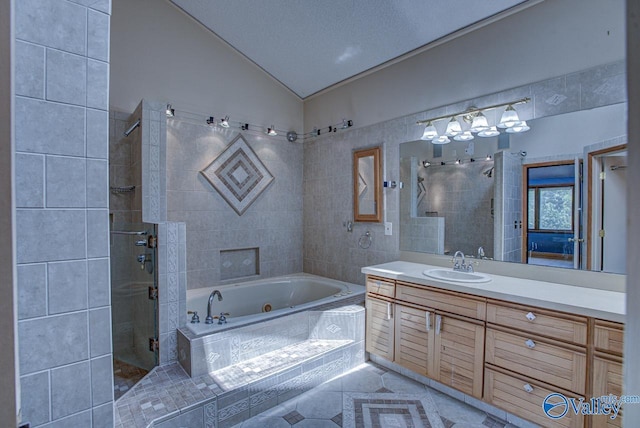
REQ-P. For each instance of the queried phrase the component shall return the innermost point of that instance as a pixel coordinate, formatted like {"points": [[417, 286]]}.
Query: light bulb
{"points": [[430, 132], [509, 118], [453, 128], [479, 123]]}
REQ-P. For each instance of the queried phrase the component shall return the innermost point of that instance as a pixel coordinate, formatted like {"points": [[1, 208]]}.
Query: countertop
{"points": [[591, 302]]}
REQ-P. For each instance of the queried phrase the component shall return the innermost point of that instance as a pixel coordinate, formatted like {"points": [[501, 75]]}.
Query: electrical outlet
{"points": [[388, 228]]}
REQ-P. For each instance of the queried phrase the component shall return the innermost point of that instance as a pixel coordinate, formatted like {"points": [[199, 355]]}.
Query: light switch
{"points": [[388, 228]]}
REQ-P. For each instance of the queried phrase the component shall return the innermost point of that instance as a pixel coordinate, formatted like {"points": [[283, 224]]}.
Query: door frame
{"points": [[590, 191]]}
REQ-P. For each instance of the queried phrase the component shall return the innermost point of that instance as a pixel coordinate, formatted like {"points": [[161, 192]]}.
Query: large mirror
{"points": [[550, 196], [367, 185]]}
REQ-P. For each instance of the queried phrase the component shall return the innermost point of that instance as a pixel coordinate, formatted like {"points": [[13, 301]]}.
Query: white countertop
{"points": [[592, 302]]}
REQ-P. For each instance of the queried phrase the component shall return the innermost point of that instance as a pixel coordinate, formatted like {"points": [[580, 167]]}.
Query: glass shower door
{"points": [[133, 302]]}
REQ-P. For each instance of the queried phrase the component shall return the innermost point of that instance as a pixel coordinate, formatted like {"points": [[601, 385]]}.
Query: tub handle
{"points": [[222, 318], [195, 319]]}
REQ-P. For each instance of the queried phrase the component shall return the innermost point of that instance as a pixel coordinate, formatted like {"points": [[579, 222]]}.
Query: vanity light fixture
{"points": [[491, 131], [244, 126], [509, 118], [519, 127], [488, 158], [426, 163], [464, 136], [171, 112], [479, 123], [443, 163], [225, 122], [458, 161], [211, 121], [509, 121], [453, 127], [271, 131], [430, 132], [442, 139]]}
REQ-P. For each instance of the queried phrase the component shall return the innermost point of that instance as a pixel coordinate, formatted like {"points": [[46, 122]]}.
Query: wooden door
{"points": [[459, 353], [414, 339], [607, 379], [379, 334]]}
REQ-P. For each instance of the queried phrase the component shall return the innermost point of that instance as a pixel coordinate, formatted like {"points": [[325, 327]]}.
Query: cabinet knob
{"points": [[531, 316], [528, 388], [530, 344]]}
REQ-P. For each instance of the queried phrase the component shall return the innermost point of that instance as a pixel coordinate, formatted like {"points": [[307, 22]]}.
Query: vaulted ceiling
{"points": [[310, 45]]}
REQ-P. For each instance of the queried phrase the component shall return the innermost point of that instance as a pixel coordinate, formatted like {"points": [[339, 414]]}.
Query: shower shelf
{"points": [[122, 189]]}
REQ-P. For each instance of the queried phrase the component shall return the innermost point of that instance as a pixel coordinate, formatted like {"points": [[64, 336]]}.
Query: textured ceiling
{"points": [[309, 45]]}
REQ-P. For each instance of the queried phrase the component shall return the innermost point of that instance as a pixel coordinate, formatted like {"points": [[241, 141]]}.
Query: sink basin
{"points": [[456, 276]]}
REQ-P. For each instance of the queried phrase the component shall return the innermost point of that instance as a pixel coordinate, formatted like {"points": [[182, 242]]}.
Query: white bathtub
{"points": [[246, 302]]}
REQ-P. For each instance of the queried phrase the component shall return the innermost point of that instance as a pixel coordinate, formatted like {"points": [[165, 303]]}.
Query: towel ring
{"points": [[365, 240]]}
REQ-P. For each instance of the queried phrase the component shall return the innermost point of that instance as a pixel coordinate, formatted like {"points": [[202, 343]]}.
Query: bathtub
{"points": [[255, 301]]}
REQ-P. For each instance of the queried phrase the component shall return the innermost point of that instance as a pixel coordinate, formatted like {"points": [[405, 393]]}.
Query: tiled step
{"points": [[261, 367]]}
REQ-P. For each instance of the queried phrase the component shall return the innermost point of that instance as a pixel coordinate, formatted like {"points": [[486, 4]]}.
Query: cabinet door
{"points": [[414, 339], [607, 379], [379, 335], [459, 356]]}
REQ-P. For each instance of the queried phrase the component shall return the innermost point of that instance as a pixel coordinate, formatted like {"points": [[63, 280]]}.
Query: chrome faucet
{"points": [[456, 264], [209, 319]]}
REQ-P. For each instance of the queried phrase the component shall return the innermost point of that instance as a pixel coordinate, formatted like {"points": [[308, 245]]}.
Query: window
{"points": [[550, 208]]}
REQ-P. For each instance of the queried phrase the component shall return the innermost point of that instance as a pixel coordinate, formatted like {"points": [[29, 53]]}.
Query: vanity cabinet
{"points": [[509, 355], [534, 352], [379, 327], [607, 367]]}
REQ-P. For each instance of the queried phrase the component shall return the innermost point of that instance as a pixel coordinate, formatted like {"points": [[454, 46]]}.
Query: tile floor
{"points": [[373, 397], [125, 376]]}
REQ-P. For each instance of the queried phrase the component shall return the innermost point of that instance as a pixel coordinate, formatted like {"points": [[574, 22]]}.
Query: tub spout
{"points": [[209, 319]]}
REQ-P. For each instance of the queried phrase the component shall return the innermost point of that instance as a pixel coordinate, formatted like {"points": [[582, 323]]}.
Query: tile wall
{"points": [[508, 207], [273, 223], [62, 218], [330, 250]]}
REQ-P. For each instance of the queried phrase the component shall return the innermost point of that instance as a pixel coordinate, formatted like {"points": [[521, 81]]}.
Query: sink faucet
{"points": [[456, 264], [209, 319], [461, 265]]}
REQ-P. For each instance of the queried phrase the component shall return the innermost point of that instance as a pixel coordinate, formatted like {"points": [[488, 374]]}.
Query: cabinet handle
{"points": [[388, 311], [531, 316], [428, 320], [528, 387], [530, 344], [438, 323]]}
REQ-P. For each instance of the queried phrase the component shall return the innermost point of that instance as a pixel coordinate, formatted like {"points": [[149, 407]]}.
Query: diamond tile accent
{"points": [[337, 419], [293, 417], [238, 175]]}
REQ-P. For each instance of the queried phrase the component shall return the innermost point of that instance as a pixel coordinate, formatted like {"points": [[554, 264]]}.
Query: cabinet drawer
{"points": [[380, 287], [547, 362], [552, 324], [608, 337], [451, 302], [523, 397]]}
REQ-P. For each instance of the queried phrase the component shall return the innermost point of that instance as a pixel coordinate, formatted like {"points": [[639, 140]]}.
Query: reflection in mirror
{"points": [[478, 206], [367, 185]]}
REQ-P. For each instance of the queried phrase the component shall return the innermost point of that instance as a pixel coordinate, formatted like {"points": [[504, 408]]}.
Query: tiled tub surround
{"points": [[252, 369], [255, 301]]}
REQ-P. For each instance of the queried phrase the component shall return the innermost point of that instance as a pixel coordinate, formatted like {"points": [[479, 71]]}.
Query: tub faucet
{"points": [[209, 319]]}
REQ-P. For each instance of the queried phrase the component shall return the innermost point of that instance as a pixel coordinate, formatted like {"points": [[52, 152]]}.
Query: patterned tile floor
{"points": [[372, 397]]}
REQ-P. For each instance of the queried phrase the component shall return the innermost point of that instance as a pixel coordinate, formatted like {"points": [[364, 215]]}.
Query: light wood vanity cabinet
{"points": [[510, 355], [607, 367]]}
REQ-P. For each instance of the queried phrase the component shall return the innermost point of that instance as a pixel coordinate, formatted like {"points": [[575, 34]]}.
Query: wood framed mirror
{"points": [[367, 185]]}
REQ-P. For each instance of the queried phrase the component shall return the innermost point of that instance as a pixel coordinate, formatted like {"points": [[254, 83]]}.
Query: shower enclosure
{"points": [[134, 302]]}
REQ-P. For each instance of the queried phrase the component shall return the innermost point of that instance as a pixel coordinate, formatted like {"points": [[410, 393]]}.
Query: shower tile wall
{"points": [[273, 223], [508, 207], [330, 250], [64, 327]]}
